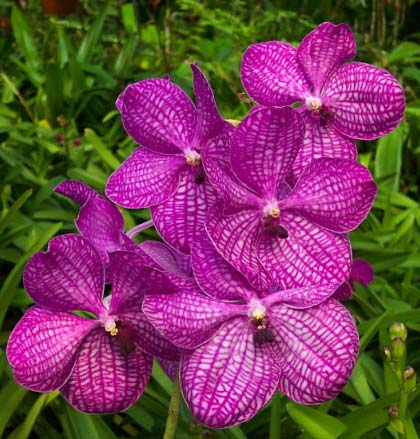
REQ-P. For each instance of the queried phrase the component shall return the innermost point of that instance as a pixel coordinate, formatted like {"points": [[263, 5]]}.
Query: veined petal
{"points": [[343, 292], [317, 351], [170, 367], [323, 50], [264, 146], [215, 276], [271, 75], [309, 256], [336, 194], [362, 272], [367, 102], [180, 219], [159, 115], [146, 178], [104, 380], [227, 380], [68, 277], [43, 347], [235, 238], [321, 141], [188, 318], [76, 190]]}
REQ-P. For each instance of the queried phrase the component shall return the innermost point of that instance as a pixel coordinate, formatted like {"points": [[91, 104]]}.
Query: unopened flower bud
{"points": [[398, 329], [387, 353], [393, 412], [409, 379], [398, 348], [77, 142]]}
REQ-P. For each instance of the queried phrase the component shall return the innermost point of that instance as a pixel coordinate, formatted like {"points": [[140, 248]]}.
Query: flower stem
{"points": [[275, 431], [139, 228], [173, 411]]}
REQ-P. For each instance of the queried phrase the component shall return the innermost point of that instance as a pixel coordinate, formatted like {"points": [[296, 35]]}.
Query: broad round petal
{"points": [[68, 277], [159, 115], [104, 380], [180, 219], [146, 178], [323, 51], [309, 256], [271, 75], [76, 190], [367, 102], [321, 141], [264, 147], [227, 380], [43, 347], [336, 194], [317, 351], [188, 318], [362, 272]]}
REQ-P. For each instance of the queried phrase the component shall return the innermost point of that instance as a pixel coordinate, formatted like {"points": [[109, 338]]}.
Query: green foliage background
{"points": [[60, 77]]}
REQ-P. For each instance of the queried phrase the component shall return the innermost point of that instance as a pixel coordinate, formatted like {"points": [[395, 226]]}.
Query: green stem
{"points": [[275, 431], [402, 411], [173, 412]]}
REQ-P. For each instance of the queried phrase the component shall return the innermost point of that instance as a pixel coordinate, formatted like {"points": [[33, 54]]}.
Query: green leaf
{"points": [[4, 222], [403, 52], [11, 396], [101, 149], [54, 90]]}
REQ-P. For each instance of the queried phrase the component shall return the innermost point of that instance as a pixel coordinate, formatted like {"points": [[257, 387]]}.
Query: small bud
{"points": [[77, 142], [409, 379], [387, 353], [393, 412], [398, 348], [398, 329]]}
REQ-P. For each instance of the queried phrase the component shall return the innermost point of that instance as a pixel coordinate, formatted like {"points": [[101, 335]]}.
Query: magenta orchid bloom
{"points": [[341, 100], [243, 346], [296, 235], [361, 272], [166, 171], [100, 364]]}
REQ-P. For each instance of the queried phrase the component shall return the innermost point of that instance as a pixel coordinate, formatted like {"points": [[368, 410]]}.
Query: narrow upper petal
{"points": [[180, 219], [146, 178], [367, 102], [321, 141], [323, 51], [271, 75], [264, 146], [69, 276], [159, 115], [104, 380], [309, 256], [188, 318], [215, 276], [336, 194], [227, 380], [362, 272], [317, 351], [43, 347], [76, 190]]}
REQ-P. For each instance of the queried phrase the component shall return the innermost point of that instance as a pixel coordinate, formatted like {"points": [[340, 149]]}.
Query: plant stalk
{"points": [[275, 430], [173, 411], [139, 228]]}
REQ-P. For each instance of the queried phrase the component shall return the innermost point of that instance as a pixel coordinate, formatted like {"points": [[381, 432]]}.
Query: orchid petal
{"points": [[76, 191], [264, 147], [367, 102], [227, 380], [104, 380], [146, 178], [159, 115], [271, 75], [343, 292], [69, 276], [323, 50], [43, 346], [362, 272], [170, 367]]}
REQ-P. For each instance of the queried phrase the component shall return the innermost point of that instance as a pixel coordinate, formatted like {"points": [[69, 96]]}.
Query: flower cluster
{"points": [[243, 297]]}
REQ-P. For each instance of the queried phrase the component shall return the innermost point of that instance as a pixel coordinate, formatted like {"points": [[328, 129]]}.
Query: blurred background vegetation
{"points": [[60, 76]]}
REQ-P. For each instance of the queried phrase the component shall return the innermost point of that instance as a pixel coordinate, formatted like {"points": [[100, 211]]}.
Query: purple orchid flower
{"points": [[166, 171], [341, 101], [242, 346], [100, 364], [295, 234], [361, 272]]}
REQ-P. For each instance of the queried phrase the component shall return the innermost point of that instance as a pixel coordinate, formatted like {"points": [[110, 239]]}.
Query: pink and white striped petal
{"points": [[180, 219], [159, 115], [69, 276], [227, 380], [77, 191], [336, 194], [309, 256], [271, 75], [215, 276], [43, 347], [367, 102], [146, 178], [104, 380], [317, 351], [323, 51], [189, 318], [362, 272], [264, 147], [321, 141]]}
